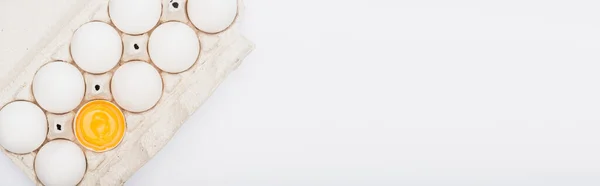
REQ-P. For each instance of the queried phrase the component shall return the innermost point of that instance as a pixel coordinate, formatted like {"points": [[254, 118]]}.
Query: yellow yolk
{"points": [[99, 125]]}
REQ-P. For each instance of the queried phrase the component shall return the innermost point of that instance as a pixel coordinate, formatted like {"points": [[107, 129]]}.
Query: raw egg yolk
{"points": [[99, 125]]}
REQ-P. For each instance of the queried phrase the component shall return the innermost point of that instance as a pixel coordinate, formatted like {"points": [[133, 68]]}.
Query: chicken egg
{"points": [[60, 163], [173, 47], [58, 87], [135, 16], [136, 86], [99, 125], [23, 127], [96, 47], [212, 16]]}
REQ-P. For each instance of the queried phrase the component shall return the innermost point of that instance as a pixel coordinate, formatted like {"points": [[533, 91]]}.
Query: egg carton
{"points": [[147, 132]]}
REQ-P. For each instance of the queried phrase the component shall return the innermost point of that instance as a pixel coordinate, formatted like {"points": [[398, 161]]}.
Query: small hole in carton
{"points": [[58, 127], [135, 46], [97, 87], [175, 5]]}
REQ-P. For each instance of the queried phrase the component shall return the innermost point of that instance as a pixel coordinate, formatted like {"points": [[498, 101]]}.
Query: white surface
{"points": [[434, 92], [173, 47], [96, 47], [135, 16], [58, 87], [212, 16], [23, 127], [60, 163], [136, 86]]}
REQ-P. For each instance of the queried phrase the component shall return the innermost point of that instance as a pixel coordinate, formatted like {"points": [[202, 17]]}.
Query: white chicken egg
{"points": [[96, 47], [135, 16], [212, 16], [173, 47], [23, 127], [60, 163], [58, 87], [136, 86]]}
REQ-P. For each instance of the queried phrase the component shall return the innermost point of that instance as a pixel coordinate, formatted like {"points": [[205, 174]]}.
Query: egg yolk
{"points": [[99, 125]]}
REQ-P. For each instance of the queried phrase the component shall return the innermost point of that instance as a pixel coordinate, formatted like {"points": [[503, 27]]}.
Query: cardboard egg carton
{"points": [[147, 132]]}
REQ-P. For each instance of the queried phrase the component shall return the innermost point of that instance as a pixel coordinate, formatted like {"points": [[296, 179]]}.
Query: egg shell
{"points": [[96, 47], [212, 16], [23, 127], [174, 47], [136, 86], [135, 16], [60, 163], [58, 87]]}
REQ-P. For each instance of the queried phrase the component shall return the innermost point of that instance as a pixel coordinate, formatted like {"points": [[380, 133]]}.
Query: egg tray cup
{"points": [[147, 132]]}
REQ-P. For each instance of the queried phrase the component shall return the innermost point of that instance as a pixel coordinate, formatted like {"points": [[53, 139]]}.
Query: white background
{"points": [[398, 92]]}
